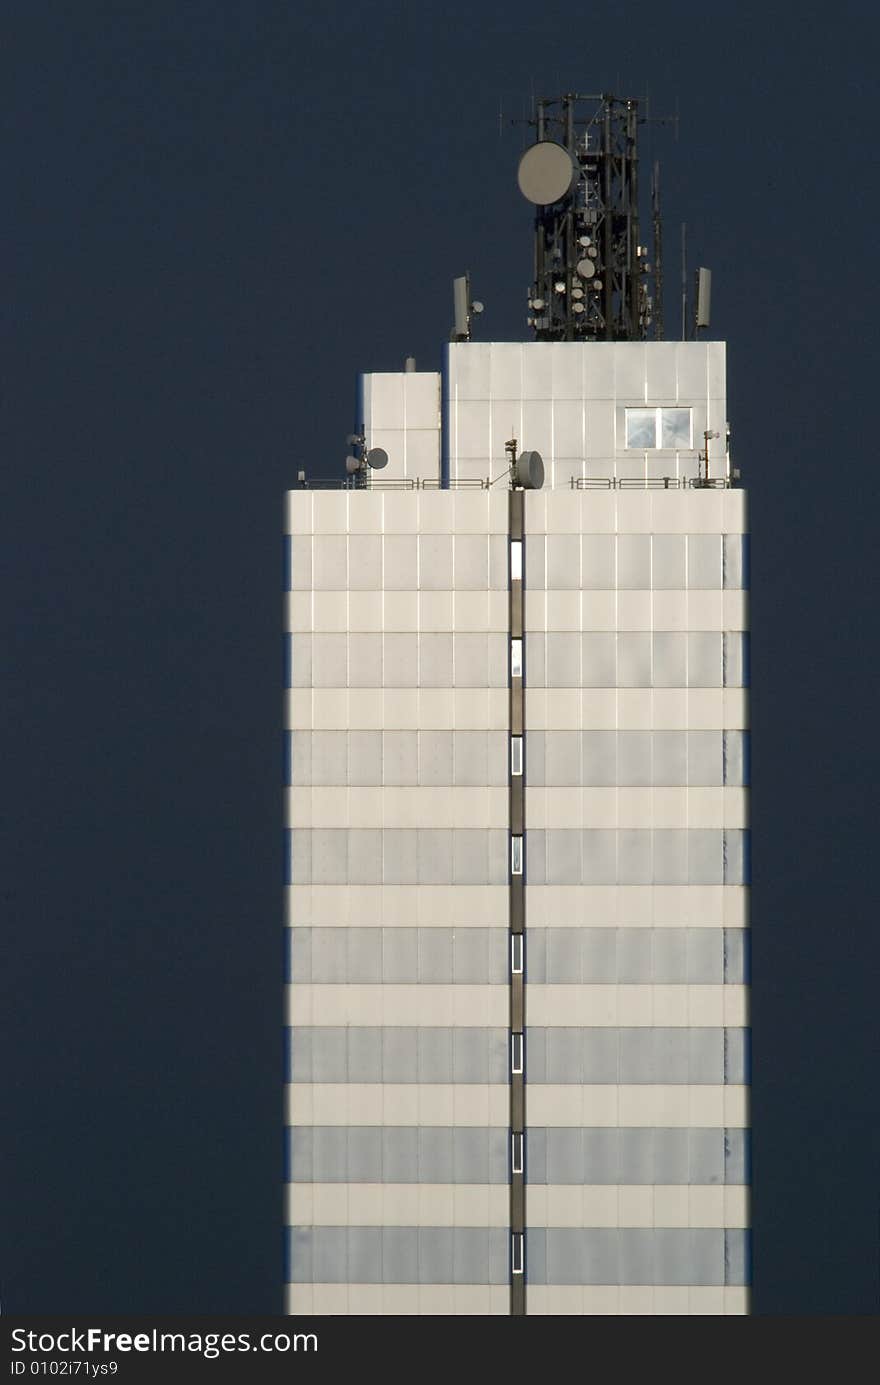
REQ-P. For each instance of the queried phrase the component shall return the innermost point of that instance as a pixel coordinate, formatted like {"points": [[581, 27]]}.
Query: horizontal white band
{"points": [[395, 1004], [711, 1205], [616, 609], [637, 906], [633, 808], [395, 807], [603, 1300], [398, 512], [547, 906], [606, 1005], [485, 511], [462, 610], [466, 1204], [397, 1300], [397, 1204], [398, 906], [564, 511], [609, 1300], [486, 709], [464, 807], [570, 1105], [628, 1006], [397, 709], [635, 709], [403, 1103]]}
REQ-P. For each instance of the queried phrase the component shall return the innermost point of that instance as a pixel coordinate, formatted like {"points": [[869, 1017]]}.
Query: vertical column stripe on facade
{"points": [[517, 915]]}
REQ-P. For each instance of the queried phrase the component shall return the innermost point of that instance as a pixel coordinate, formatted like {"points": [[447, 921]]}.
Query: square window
{"points": [[641, 427], [675, 428]]}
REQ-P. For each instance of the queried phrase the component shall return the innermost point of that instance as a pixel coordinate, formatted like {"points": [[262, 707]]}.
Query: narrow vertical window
{"points": [[516, 754], [516, 1053], [516, 560], [516, 954], [516, 1152], [516, 856], [516, 1241], [516, 658]]}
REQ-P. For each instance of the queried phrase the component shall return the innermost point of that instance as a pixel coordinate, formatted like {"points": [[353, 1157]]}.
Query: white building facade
{"points": [[517, 849]]}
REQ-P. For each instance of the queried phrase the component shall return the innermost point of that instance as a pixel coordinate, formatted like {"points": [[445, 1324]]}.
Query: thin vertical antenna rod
{"points": [[684, 287], [658, 252]]}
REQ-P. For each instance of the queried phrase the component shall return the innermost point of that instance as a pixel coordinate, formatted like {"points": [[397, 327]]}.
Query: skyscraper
{"points": [[517, 832]]}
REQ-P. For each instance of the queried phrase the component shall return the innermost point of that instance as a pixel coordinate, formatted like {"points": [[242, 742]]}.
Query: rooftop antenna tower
{"points": [[592, 275]]}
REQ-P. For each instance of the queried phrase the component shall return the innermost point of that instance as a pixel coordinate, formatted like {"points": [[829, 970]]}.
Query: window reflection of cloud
{"points": [[641, 428], [676, 425]]}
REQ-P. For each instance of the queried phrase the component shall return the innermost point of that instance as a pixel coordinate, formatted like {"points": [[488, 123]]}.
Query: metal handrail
{"points": [[651, 483], [392, 483], [580, 483]]}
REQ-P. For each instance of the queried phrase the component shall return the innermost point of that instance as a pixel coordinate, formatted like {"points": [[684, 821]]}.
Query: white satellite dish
{"points": [[586, 268], [528, 471], [546, 172]]}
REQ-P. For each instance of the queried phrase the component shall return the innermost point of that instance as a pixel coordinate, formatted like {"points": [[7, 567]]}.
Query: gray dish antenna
{"points": [[528, 471], [546, 173], [377, 457]]}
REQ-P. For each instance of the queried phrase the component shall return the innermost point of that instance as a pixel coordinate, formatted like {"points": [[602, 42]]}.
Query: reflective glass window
{"points": [[641, 427], [516, 560], [670, 428], [516, 954], [675, 428], [516, 1153], [516, 858], [516, 754]]}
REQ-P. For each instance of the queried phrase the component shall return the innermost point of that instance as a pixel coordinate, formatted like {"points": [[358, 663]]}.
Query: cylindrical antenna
{"points": [[702, 299]]}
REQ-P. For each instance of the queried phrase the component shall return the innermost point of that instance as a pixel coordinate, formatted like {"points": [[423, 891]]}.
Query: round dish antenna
{"points": [[377, 457], [528, 471], [546, 172]]}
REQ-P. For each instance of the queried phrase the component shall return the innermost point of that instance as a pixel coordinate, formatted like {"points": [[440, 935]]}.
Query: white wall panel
{"points": [[376, 1103], [397, 1204], [606, 1300], [672, 1106]]}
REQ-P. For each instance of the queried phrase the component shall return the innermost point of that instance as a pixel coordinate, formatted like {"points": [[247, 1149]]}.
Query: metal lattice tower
{"points": [[592, 274]]}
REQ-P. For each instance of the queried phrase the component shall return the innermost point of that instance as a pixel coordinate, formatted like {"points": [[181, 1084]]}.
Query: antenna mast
{"points": [[581, 175], [658, 252]]}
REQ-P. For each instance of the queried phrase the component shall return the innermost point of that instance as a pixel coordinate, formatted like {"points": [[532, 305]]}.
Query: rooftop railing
{"points": [[652, 483], [579, 483]]}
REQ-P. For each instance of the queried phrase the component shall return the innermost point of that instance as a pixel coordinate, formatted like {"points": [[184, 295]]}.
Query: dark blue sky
{"points": [[216, 214]]}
